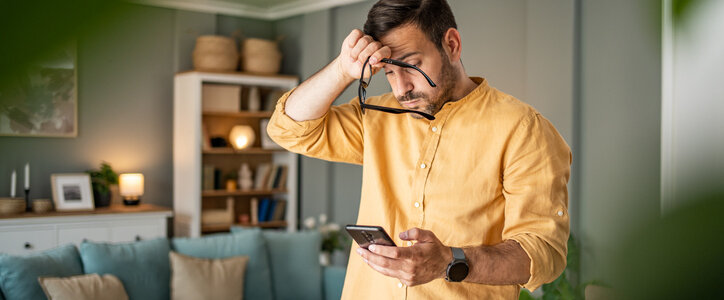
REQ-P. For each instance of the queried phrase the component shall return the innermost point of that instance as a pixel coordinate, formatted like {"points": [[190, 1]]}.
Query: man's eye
{"points": [[387, 73]]}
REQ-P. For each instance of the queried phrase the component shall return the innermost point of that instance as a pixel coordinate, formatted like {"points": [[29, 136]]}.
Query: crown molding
{"points": [[276, 12]]}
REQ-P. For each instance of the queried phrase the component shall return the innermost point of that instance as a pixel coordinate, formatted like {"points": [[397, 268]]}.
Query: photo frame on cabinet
{"points": [[72, 192]]}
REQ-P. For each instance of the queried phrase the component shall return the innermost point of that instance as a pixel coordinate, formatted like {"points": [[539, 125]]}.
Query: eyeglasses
{"points": [[362, 92]]}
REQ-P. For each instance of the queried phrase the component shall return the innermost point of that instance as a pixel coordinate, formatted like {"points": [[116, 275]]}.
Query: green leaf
{"points": [[525, 295]]}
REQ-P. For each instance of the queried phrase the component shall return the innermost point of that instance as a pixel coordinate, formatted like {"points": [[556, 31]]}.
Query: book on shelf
{"points": [[262, 173], [208, 178], [254, 211], [270, 211], [279, 210], [264, 209]]}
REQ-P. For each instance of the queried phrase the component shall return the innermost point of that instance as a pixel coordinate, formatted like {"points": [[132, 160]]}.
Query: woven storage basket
{"points": [[12, 206], [260, 56], [215, 53]]}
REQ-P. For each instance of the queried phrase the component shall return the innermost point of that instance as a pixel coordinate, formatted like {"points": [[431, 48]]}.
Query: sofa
{"points": [[281, 265]]}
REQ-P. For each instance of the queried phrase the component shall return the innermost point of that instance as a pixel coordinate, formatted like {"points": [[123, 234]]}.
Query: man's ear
{"points": [[452, 44]]}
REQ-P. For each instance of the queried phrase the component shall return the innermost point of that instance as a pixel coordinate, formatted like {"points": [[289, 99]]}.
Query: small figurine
{"points": [[245, 180]]}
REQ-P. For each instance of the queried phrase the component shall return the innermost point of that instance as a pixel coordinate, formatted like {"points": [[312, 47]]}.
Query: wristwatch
{"points": [[458, 269]]}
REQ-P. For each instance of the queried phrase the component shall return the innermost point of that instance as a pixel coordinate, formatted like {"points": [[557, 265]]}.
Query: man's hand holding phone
{"points": [[424, 261]]}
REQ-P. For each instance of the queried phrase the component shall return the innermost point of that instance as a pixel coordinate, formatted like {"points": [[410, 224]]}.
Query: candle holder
{"points": [[28, 206]]}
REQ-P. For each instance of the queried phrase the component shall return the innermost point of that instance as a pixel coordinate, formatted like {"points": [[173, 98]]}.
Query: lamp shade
{"points": [[131, 184], [241, 136]]}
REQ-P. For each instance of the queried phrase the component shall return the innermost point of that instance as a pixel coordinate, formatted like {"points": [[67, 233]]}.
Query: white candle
{"points": [[12, 184], [27, 176]]}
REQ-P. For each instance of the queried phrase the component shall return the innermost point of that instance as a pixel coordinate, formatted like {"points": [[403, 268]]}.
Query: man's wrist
{"points": [[340, 73]]}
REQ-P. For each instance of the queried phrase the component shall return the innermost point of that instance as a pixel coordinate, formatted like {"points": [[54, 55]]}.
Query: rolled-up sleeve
{"points": [[336, 136], [535, 177]]}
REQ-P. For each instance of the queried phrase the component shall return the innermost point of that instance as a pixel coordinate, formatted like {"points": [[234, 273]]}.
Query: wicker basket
{"points": [[260, 56], [10, 206], [215, 53], [42, 205]]}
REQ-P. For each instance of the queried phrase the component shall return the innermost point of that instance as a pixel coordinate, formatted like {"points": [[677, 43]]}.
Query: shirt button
{"points": [[422, 166], [409, 243], [434, 128], [399, 284], [417, 204], [560, 213]]}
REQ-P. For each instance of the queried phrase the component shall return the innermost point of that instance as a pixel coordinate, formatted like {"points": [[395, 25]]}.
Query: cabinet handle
{"points": [[28, 246], [138, 238]]}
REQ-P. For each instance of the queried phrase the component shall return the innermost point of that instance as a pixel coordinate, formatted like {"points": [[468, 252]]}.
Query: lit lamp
{"points": [[241, 136], [131, 188]]}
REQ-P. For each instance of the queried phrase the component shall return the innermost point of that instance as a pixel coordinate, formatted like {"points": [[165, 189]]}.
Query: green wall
{"points": [[125, 99]]}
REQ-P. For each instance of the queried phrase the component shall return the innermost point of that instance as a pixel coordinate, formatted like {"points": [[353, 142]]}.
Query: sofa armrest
{"points": [[333, 282]]}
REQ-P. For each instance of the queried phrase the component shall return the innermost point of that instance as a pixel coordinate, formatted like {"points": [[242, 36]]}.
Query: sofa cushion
{"points": [[333, 282], [294, 259], [257, 278], [200, 278], [83, 287], [142, 267], [19, 274]]}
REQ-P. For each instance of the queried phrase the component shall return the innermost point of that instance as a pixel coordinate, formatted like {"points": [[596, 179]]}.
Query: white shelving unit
{"points": [[189, 157]]}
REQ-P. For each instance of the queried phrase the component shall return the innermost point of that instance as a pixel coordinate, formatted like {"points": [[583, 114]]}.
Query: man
{"points": [[460, 175]]}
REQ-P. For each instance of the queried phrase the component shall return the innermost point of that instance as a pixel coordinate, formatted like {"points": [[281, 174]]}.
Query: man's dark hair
{"points": [[433, 17]]}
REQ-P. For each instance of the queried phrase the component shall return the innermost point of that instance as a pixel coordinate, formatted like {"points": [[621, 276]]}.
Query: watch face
{"points": [[457, 271]]}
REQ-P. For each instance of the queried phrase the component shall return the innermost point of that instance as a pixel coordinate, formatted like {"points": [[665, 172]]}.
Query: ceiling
{"points": [[258, 9]]}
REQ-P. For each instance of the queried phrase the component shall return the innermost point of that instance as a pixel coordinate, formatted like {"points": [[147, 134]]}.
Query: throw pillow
{"points": [[19, 274], [257, 277], [142, 267], [83, 287], [294, 259], [197, 278]]}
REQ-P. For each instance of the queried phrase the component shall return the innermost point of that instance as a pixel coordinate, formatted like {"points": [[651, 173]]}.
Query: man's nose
{"points": [[403, 84]]}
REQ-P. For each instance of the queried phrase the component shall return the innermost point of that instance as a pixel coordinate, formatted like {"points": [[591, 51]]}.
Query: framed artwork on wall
{"points": [[72, 191], [42, 101]]}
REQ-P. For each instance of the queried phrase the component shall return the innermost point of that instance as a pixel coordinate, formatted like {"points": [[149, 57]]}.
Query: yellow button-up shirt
{"points": [[489, 168]]}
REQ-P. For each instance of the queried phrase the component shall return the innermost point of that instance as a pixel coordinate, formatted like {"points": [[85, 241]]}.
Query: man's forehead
{"points": [[405, 41]]}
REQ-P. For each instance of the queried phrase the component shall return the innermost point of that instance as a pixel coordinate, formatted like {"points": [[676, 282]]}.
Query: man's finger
{"points": [[352, 38], [359, 46], [417, 234], [390, 251]]}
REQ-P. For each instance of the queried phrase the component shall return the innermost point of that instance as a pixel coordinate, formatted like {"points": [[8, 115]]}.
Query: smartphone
{"points": [[368, 235]]}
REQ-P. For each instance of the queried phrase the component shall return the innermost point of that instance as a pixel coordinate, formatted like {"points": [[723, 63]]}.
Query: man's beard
{"points": [[445, 86]]}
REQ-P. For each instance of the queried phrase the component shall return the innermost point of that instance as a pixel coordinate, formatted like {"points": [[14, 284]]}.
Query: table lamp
{"points": [[131, 187], [241, 136]]}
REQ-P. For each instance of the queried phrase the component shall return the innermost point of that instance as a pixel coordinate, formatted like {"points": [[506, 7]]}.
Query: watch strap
{"points": [[457, 253]]}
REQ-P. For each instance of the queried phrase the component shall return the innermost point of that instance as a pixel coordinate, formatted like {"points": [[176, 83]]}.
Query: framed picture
{"points": [[72, 191], [42, 101]]}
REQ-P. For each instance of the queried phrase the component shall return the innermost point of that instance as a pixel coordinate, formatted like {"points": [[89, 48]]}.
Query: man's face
{"points": [[411, 45]]}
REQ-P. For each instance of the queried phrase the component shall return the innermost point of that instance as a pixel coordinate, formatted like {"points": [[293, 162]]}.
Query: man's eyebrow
{"points": [[406, 55]]}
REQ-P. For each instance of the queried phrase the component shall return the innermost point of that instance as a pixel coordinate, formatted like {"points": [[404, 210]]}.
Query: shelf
{"points": [[241, 74], [240, 114], [227, 227], [244, 151], [225, 193]]}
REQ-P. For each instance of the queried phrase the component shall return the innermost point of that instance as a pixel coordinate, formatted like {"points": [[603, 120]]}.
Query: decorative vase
{"points": [[254, 99], [324, 258]]}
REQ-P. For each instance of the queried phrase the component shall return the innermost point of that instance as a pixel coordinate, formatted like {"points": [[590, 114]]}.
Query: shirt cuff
{"points": [[543, 268], [280, 120]]}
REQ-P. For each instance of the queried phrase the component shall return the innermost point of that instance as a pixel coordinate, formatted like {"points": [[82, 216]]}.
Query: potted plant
{"points": [[333, 238], [102, 179]]}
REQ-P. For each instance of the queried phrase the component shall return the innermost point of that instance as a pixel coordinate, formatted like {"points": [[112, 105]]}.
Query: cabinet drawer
{"points": [[130, 233], [91, 232], [26, 241]]}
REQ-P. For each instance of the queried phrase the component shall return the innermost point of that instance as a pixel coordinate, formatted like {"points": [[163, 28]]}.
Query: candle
{"points": [[12, 184], [27, 176]]}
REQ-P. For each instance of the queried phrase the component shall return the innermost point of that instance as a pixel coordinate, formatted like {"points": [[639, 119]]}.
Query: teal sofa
{"points": [[281, 265]]}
